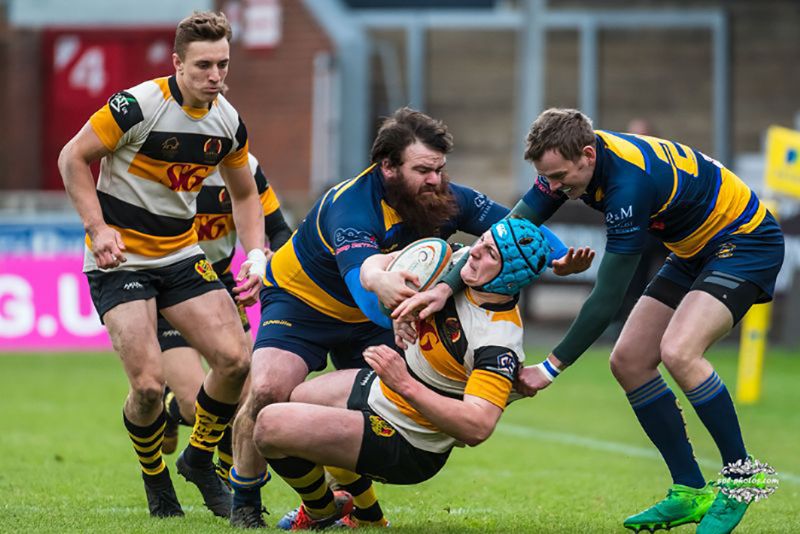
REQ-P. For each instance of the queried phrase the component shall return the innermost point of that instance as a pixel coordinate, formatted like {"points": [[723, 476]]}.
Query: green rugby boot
{"points": [[682, 505], [727, 511]]}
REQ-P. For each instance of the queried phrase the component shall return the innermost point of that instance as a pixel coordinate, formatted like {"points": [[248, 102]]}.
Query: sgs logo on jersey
{"points": [[205, 270]]}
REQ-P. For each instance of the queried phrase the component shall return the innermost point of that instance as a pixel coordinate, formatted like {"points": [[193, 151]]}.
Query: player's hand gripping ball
{"points": [[427, 258]]}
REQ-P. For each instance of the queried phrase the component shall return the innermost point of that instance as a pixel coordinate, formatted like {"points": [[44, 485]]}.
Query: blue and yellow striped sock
{"points": [[247, 490], [660, 415], [714, 407]]}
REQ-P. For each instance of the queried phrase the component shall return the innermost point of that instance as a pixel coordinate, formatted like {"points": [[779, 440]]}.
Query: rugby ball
{"points": [[427, 258]]}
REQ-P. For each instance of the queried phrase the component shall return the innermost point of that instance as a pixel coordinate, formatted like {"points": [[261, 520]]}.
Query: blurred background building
{"points": [[312, 78]]}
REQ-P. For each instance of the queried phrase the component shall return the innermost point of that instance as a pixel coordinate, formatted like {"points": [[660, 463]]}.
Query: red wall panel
{"points": [[82, 69]]}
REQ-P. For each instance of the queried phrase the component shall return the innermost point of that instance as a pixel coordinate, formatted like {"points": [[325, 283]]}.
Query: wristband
{"points": [[258, 263], [548, 369]]}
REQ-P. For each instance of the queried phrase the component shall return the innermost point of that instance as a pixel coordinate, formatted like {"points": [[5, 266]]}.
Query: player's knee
{"points": [[267, 431], [234, 365], [676, 355], [622, 360], [263, 395], [147, 394]]}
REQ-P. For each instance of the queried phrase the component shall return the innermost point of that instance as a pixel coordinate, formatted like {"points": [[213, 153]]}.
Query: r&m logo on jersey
{"points": [[380, 427], [186, 177], [726, 250], [205, 270], [212, 150]]}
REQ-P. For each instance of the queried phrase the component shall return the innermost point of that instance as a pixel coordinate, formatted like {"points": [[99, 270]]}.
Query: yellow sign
{"points": [[782, 172], [753, 342]]}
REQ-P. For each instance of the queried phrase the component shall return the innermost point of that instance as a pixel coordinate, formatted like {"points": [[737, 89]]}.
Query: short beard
{"points": [[425, 214]]}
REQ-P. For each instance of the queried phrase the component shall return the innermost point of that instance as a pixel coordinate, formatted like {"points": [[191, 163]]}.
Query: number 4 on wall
{"points": [[88, 72]]}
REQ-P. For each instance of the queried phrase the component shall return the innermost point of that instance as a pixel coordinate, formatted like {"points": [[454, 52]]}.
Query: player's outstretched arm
{"points": [[73, 163], [613, 278], [471, 420], [574, 261]]}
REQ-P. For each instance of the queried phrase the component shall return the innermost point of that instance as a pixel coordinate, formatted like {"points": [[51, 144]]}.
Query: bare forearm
{"points": [[249, 220], [460, 419], [79, 184]]}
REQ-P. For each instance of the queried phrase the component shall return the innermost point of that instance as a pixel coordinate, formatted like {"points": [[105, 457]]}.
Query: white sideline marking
{"points": [[613, 447]]}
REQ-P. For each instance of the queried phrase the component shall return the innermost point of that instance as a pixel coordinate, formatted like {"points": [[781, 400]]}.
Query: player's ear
{"points": [[387, 168], [590, 152], [177, 63]]}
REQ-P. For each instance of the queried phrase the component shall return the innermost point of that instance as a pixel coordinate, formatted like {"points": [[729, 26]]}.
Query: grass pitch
{"points": [[572, 459]]}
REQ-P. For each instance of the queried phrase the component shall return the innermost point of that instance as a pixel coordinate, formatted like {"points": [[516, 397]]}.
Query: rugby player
{"points": [[216, 234], [398, 422], [157, 142], [726, 251]]}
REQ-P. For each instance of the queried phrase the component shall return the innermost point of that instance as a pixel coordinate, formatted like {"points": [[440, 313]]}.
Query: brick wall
{"points": [[20, 97], [272, 90]]}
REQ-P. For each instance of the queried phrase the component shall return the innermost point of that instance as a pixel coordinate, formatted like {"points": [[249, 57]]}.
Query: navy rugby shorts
{"points": [[739, 269], [290, 324]]}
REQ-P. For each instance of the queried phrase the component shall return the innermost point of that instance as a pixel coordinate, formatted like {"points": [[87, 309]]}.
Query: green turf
{"points": [[573, 459]]}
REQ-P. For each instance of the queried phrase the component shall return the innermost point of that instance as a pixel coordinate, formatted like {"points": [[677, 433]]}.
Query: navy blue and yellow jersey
{"points": [[678, 194], [351, 222]]}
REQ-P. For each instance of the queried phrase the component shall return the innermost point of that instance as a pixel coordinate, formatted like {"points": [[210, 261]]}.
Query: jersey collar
{"points": [[175, 91], [598, 176]]}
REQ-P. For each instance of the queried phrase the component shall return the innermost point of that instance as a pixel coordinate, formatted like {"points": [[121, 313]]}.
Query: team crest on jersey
{"points": [[380, 427], [598, 195], [726, 250], [426, 333], [453, 326], [224, 201], [169, 148], [205, 270], [212, 149]]}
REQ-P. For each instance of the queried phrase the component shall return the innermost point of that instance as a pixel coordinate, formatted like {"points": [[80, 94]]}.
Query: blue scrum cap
{"points": [[524, 252]]}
